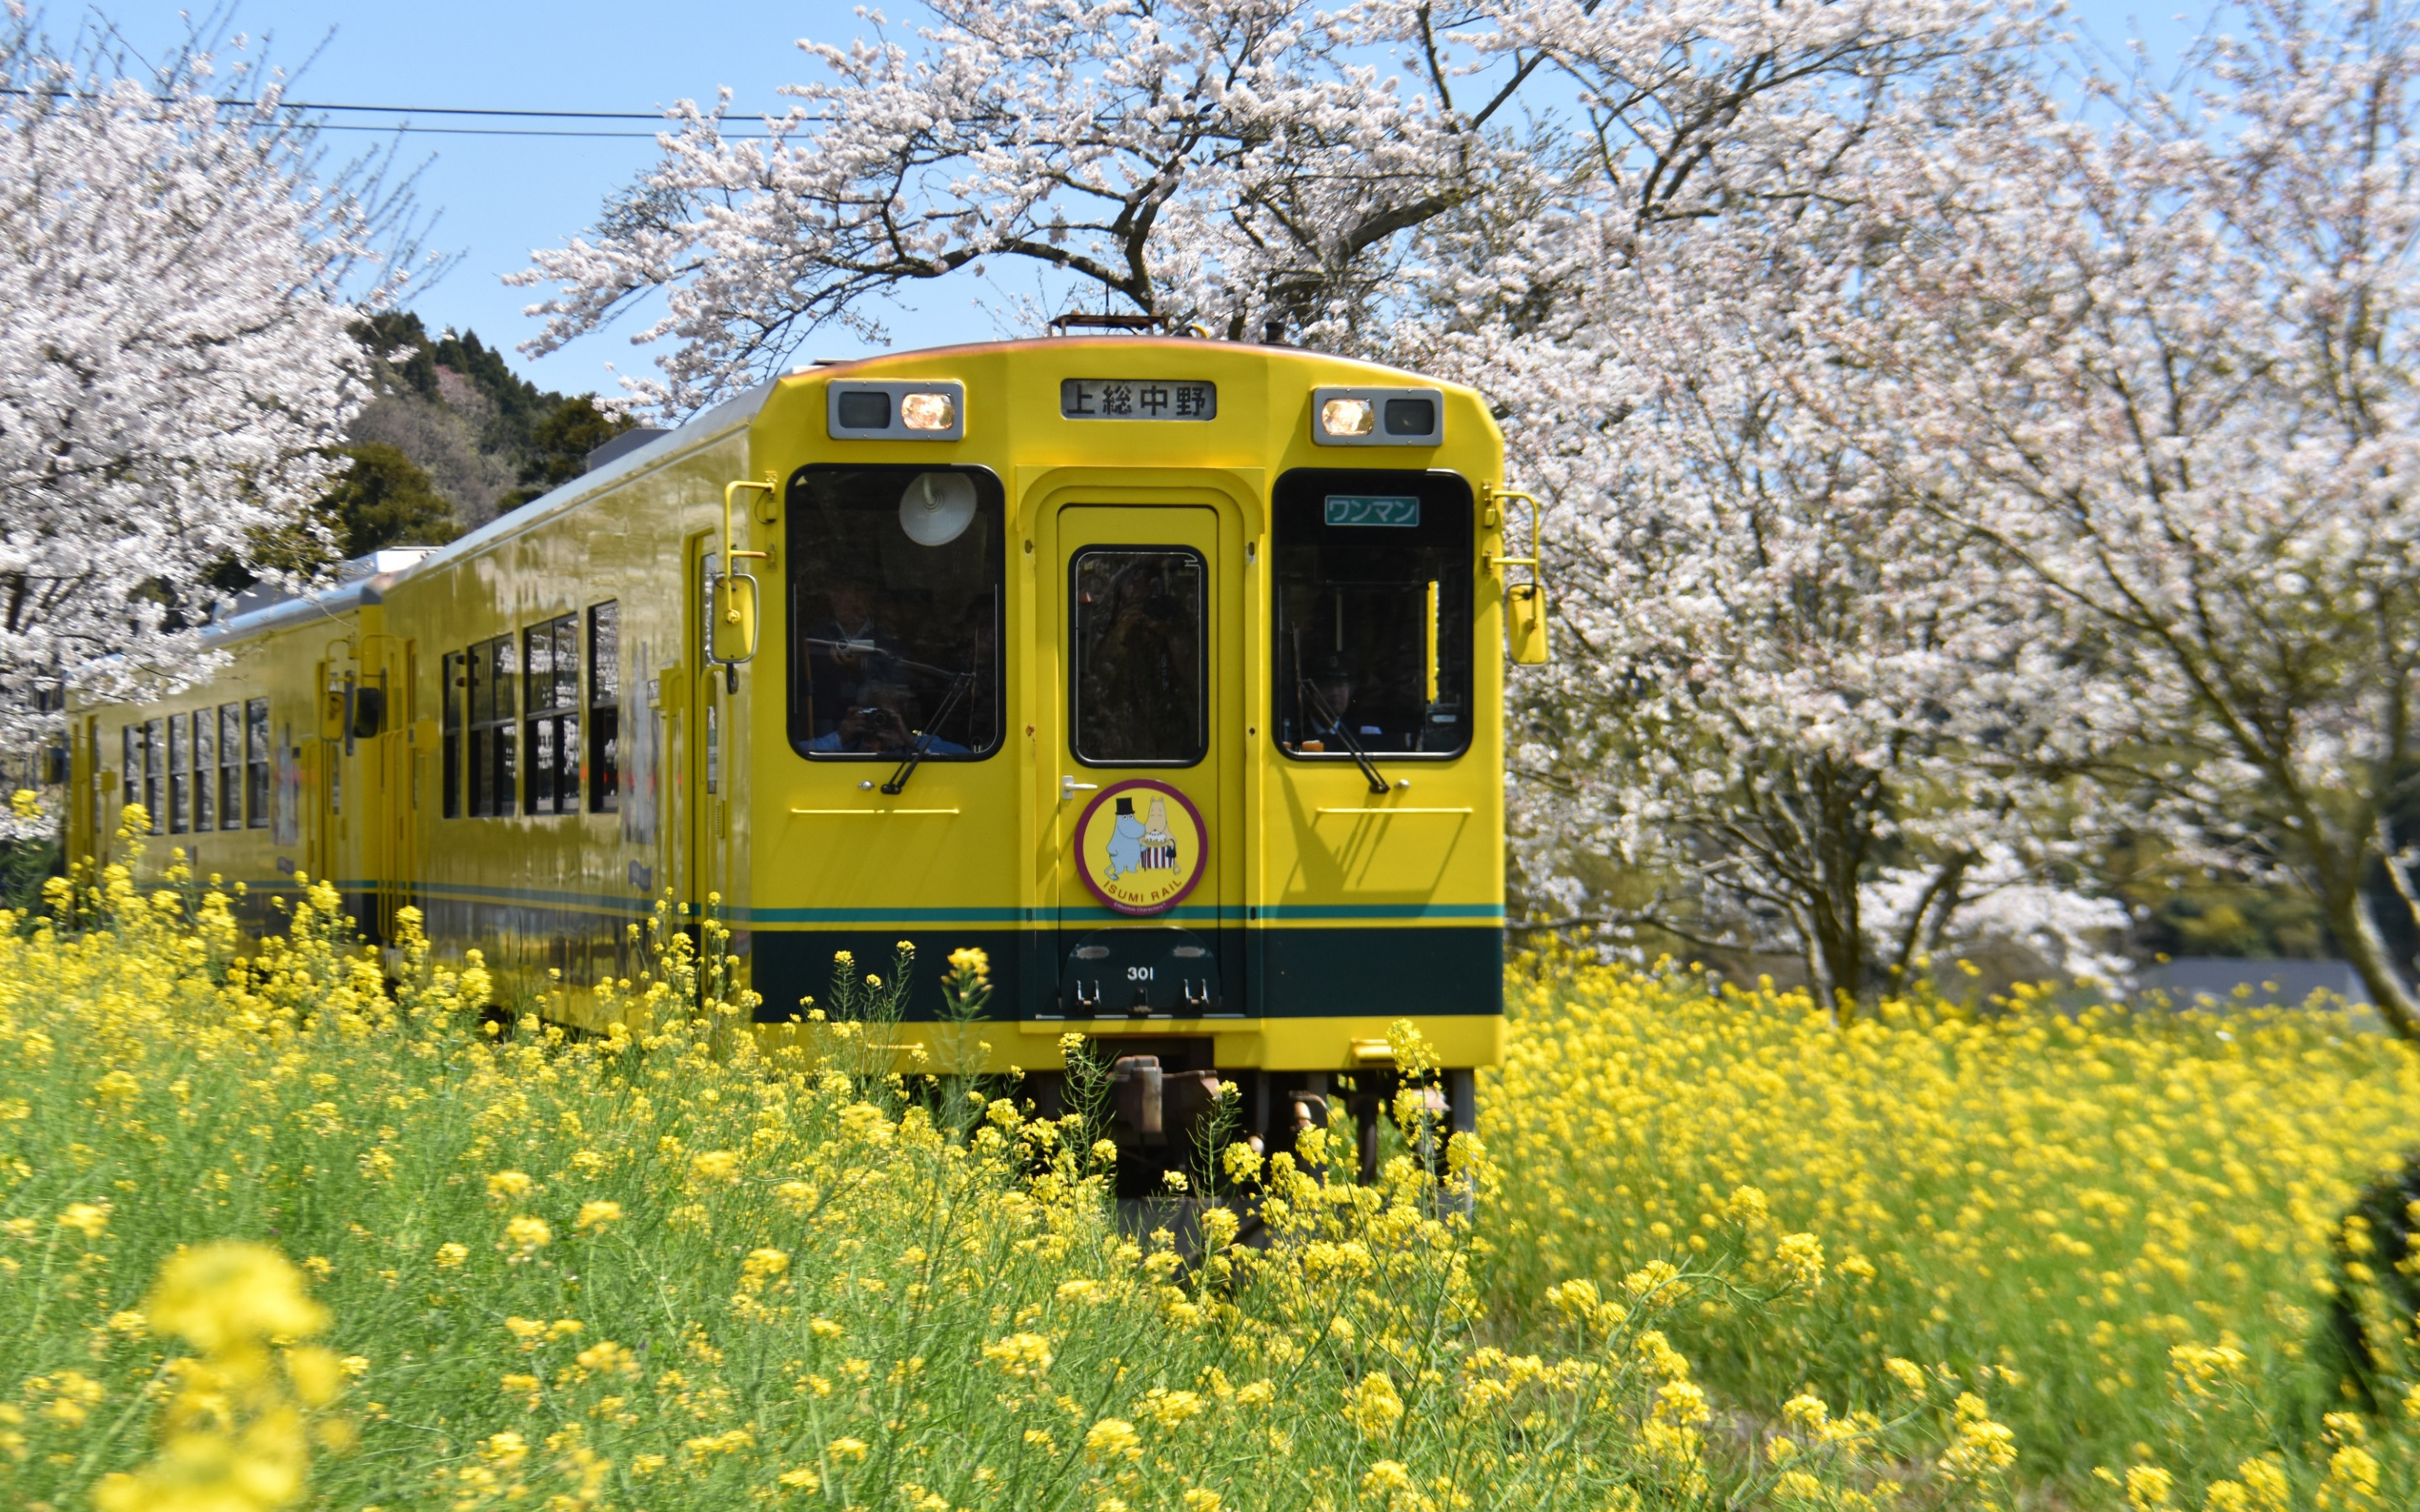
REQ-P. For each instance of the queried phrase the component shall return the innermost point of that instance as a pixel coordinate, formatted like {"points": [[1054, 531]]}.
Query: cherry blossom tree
{"points": [[2161, 363], [1232, 166], [174, 364], [1822, 716], [1819, 709]]}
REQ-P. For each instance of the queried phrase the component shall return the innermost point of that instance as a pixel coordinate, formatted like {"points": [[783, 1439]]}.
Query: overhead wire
{"points": [[504, 112]]}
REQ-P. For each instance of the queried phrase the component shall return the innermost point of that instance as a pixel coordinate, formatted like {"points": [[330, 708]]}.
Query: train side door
{"points": [[1150, 639], [703, 820], [323, 775], [395, 859]]}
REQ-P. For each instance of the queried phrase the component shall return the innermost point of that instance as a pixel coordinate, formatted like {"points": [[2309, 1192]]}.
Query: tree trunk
{"points": [[2356, 930], [1841, 953]]}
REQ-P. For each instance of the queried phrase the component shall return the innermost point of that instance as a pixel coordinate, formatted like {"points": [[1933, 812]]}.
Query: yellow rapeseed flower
{"points": [[1111, 1439], [224, 1295], [510, 1186], [596, 1214], [1386, 1478], [2148, 1488], [1372, 1405], [1020, 1354]]}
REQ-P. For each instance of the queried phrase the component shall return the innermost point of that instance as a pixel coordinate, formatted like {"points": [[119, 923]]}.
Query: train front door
{"points": [[1149, 638]]}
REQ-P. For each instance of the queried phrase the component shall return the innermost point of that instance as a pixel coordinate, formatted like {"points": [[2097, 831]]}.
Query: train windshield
{"points": [[896, 576], [1372, 613]]}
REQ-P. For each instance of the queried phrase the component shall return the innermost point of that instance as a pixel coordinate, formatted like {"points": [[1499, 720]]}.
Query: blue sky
{"points": [[498, 197]]}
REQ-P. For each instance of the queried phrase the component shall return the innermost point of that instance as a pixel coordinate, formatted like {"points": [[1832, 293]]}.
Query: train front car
{"points": [[1164, 672]]}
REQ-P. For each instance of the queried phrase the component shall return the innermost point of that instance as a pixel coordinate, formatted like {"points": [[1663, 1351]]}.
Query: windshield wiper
{"points": [[959, 683], [1336, 722]]}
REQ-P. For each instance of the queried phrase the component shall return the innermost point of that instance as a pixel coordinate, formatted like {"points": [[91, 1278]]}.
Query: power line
{"points": [[510, 130], [466, 110], [667, 122]]}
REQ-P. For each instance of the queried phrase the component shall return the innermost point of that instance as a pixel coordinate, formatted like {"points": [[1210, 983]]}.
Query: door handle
{"points": [[1069, 787]]}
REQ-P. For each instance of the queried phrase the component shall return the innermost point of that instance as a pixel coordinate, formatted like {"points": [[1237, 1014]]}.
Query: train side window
{"points": [[896, 578], [155, 751], [450, 673], [604, 707], [255, 764], [550, 671], [1142, 686], [180, 776], [492, 721], [205, 769], [230, 766], [130, 768], [1372, 606]]}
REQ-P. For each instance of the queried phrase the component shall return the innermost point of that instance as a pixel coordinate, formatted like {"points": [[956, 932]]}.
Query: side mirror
{"points": [[733, 610], [1525, 624], [369, 712]]}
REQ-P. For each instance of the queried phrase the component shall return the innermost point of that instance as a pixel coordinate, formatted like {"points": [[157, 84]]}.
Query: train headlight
{"points": [[874, 409], [1377, 416], [1348, 417], [928, 411]]}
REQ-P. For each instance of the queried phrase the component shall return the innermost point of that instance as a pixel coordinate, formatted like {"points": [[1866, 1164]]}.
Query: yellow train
{"points": [[1164, 670]]}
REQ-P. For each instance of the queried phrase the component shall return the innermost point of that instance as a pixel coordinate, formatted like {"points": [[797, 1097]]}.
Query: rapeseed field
{"points": [[277, 1231], [274, 1231], [2129, 1224]]}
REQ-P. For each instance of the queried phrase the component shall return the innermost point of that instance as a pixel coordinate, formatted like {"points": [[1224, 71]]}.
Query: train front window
{"points": [[1141, 685], [895, 585], [1373, 607]]}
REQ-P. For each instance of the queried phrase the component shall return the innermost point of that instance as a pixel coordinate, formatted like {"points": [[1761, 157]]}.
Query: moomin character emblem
{"points": [[1146, 863]]}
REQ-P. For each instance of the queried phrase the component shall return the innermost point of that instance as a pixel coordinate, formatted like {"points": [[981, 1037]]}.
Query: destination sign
{"points": [[1372, 509], [1138, 399]]}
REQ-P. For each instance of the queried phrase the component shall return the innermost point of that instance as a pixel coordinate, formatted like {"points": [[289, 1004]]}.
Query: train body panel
{"points": [[1113, 670]]}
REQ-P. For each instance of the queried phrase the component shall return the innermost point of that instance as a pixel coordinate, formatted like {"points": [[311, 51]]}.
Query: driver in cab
{"points": [[1326, 712]]}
